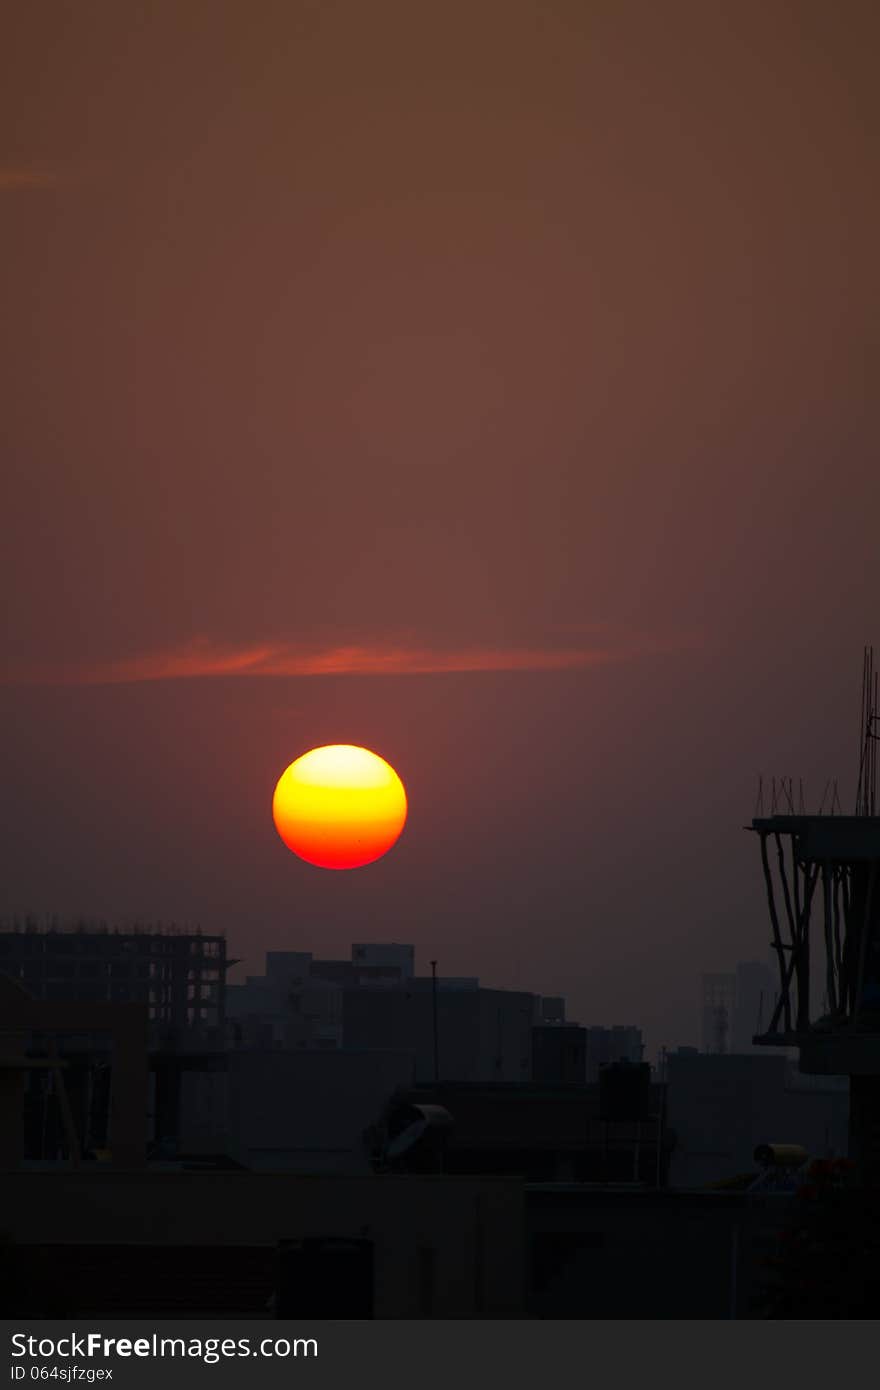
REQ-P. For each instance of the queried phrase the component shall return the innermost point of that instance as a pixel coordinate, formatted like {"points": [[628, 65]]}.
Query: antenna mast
{"points": [[866, 794]]}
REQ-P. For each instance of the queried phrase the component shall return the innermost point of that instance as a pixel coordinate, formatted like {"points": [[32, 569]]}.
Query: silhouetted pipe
{"points": [[781, 1155], [436, 1034]]}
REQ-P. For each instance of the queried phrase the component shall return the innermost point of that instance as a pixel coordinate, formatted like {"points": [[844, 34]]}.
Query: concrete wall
{"points": [[559, 1053], [620, 1042], [301, 1111], [613, 1254], [385, 953], [483, 1034], [506, 1021], [472, 1228]]}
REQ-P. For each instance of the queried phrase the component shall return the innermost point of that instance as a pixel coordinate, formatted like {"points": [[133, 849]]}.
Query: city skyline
{"points": [[738, 1002]]}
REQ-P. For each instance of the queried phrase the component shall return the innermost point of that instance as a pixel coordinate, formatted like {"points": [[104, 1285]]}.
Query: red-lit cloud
{"points": [[204, 658], [24, 179]]}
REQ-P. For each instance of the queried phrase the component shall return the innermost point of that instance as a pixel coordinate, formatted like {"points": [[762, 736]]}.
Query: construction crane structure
{"points": [[822, 879]]}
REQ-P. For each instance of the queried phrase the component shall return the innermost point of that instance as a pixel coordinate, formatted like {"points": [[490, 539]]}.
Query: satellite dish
{"points": [[414, 1123], [406, 1139]]}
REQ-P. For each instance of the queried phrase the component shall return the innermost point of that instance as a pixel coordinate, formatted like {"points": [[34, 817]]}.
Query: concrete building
{"points": [[736, 1006], [755, 993], [29, 1049], [721, 1108], [179, 976], [298, 1002], [375, 1002], [625, 1253], [619, 1043], [481, 1034], [662, 1069], [113, 1234], [300, 1111], [155, 1243], [390, 956], [551, 1132], [718, 1003], [559, 1052], [552, 1009]]}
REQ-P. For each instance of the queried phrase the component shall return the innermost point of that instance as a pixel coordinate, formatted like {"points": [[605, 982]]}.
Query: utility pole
{"points": [[436, 1035]]}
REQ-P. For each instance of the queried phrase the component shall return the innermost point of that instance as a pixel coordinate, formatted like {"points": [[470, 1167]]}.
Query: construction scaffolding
{"points": [[179, 975], [821, 877]]}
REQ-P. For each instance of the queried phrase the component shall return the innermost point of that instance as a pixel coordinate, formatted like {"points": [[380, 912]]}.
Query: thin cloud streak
{"points": [[25, 180], [203, 659]]}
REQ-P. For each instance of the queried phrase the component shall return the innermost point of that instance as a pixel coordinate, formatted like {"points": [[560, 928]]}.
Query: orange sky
{"points": [[531, 347]]}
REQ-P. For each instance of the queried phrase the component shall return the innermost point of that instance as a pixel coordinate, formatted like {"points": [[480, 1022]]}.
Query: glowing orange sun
{"points": [[339, 806]]}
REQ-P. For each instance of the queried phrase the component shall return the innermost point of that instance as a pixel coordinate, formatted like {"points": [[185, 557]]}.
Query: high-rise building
{"points": [[755, 995], [552, 1009], [456, 1034], [374, 1002], [619, 1043], [180, 975], [559, 1053], [298, 1002], [718, 1006], [393, 956]]}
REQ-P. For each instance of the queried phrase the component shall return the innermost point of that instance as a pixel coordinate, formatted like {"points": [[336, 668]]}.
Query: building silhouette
{"points": [[559, 1052], [718, 1007], [619, 1043], [755, 993], [535, 1201], [179, 975], [374, 1001]]}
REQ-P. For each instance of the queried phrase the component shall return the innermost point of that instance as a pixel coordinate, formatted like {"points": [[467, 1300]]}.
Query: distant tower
{"points": [[822, 878], [722, 1028], [756, 991], [719, 999]]}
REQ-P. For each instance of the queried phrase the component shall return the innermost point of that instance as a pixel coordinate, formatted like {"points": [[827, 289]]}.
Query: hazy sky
{"points": [[490, 383]]}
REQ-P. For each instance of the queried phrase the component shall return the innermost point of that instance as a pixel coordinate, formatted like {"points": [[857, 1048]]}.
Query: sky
{"points": [[493, 384]]}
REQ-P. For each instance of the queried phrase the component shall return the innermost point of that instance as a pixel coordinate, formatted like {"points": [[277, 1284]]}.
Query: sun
{"points": [[339, 806]]}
